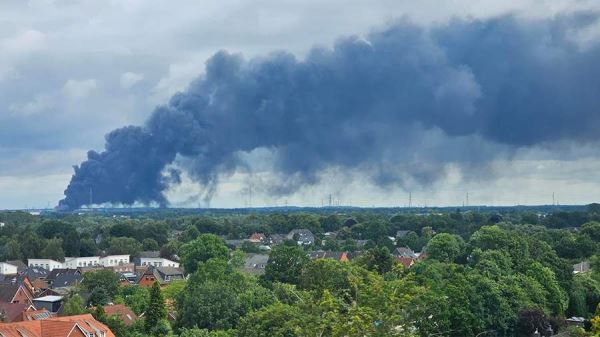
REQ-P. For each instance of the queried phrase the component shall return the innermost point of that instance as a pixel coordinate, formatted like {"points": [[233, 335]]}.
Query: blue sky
{"points": [[72, 71]]}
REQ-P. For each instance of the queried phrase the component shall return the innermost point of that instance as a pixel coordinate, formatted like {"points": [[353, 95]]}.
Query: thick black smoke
{"points": [[400, 103]]}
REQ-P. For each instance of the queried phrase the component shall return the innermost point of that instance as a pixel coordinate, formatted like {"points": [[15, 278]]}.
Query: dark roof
{"points": [[304, 235], [402, 233], [165, 274], [35, 272], [150, 254], [67, 280], [405, 252], [58, 272], [277, 238], [170, 271], [319, 254], [19, 264], [256, 263], [8, 291], [12, 279]]}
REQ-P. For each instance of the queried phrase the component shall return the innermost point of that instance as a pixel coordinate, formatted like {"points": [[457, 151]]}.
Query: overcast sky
{"points": [[71, 71]]}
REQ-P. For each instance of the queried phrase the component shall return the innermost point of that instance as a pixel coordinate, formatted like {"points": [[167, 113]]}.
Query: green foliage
{"points": [[136, 298], [285, 264], [172, 290], [150, 245], [53, 250], [156, 311], [99, 296], [217, 295], [124, 245], [204, 333], [377, 259], [74, 305], [102, 279], [445, 247], [205, 247]]}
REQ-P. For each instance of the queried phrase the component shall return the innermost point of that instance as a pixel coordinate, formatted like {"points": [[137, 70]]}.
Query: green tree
{"points": [[137, 298], [205, 247], [53, 250], [378, 259], [103, 278], [150, 245], [445, 247], [99, 296], [285, 264], [277, 320], [88, 247], [74, 306], [156, 308], [12, 250], [204, 333], [123, 245]]}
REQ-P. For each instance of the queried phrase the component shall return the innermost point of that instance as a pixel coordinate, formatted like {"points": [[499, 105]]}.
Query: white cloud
{"points": [[177, 79], [130, 79], [75, 89], [26, 41], [36, 106]]}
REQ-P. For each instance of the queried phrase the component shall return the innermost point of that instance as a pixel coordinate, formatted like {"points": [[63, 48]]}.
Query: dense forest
{"points": [[486, 273]]}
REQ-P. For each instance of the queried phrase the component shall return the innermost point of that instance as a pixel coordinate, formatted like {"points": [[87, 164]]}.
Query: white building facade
{"points": [[114, 260], [77, 262], [7, 269], [48, 264], [158, 262]]}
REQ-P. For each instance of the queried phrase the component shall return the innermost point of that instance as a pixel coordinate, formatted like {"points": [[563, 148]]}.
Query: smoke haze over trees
{"points": [[398, 105]]}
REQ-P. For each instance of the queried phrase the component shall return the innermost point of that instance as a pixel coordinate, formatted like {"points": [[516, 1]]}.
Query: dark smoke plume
{"points": [[399, 103]]}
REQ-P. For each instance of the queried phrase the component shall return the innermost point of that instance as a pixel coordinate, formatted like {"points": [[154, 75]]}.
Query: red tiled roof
{"points": [[126, 314], [12, 311], [56, 327]]}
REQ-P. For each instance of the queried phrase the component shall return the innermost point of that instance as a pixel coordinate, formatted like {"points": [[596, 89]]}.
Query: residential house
{"points": [[277, 239], [303, 237], [51, 303], [405, 252], [37, 315], [401, 233], [255, 263], [257, 238], [13, 312], [406, 261], [581, 267], [152, 258], [37, 277], [123, 312], [68, 326], [20, 265], [339, 256], [164, 276], [21, 280], [7, 269], [47, 264], [59, 278], [84, 261], [15, 293]]}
